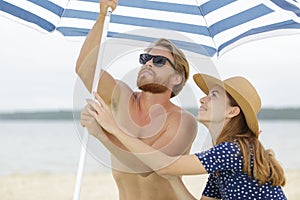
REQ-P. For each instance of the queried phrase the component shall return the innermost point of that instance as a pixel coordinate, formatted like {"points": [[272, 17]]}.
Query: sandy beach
{"points": [[96, 186]]}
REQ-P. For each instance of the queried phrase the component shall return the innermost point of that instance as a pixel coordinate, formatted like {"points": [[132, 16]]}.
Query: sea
{"points": [[54, 146]]}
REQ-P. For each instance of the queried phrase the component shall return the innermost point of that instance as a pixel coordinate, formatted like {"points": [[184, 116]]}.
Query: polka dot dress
{"points": [[224, 163]]}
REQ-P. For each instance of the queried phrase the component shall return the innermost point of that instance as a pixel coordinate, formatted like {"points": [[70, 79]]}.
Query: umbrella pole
{"points": [[85, 138]]}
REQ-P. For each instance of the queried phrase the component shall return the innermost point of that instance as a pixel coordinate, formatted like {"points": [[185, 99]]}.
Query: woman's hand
{"points": [[102, 114], [104, 4]]}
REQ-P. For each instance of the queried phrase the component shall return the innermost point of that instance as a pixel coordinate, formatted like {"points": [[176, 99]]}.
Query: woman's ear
{"points": [[233, 111]]}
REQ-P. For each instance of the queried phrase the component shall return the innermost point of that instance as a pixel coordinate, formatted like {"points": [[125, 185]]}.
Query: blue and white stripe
{"points": [[202, 26]]}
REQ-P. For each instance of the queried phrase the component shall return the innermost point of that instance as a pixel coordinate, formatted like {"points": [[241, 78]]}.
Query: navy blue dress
{"points": [[224, 163]]}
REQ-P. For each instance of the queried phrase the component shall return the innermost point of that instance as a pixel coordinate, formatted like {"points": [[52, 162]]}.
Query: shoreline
{"points": [[266, 113], [95, 186]]}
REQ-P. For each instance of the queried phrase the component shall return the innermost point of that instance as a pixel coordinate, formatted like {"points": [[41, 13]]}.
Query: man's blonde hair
{"points": [[180, 62]]}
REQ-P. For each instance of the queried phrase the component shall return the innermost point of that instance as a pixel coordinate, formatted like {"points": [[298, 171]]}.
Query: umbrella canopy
{"points": [[209, 27]]}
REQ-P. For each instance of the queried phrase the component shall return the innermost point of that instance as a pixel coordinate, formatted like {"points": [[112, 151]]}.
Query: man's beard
{"points": [[153, 88]]}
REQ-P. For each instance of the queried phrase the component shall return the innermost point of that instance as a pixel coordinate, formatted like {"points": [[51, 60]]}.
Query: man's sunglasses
{"points": [[158, 61]]}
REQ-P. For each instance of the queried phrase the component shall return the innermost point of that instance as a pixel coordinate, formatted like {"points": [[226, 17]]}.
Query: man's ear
{"points": [[176, 79], [233, 111]]}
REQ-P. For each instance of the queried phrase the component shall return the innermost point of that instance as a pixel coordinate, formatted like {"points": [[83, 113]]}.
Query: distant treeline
{"points": [[264, 114], [271, 113], [41, 115]]}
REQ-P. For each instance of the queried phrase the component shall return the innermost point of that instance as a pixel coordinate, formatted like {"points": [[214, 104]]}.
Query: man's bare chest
{"points": [[146, 126]]}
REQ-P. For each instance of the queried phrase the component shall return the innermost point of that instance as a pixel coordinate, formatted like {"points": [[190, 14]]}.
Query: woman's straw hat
{"points": [[241, 90]]}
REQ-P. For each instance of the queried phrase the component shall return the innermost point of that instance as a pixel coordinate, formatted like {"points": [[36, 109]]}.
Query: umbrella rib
{"points": [[211, 35], [62, 14]]}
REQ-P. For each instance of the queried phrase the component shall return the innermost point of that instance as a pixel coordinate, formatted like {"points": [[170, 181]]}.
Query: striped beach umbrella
{"points": [[208, 27]]}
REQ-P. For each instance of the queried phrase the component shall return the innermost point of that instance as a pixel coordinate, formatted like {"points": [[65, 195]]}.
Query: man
{"points": [[148, 115]]}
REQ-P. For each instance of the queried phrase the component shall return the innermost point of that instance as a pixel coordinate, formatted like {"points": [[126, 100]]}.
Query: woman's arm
{"points": [[131, 162], [178, 186], [208, 198], [155, 159], [182, 192], [183, 165]]}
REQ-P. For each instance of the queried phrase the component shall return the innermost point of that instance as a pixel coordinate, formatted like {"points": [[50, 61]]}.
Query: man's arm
{"points": [[87, 59], [85, 68], [93, 39]]}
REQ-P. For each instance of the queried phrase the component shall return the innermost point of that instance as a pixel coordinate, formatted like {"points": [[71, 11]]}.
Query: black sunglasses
{"points": [[158, 61]]}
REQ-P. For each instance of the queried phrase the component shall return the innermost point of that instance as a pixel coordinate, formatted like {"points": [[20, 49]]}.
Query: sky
{"points": [[37, 69]]}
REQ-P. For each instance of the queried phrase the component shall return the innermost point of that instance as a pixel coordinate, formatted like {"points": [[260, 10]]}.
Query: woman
{"points": [[238, 165]]}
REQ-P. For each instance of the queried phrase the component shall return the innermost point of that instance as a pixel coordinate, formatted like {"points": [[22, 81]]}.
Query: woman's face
{"points": [[214, 107]]}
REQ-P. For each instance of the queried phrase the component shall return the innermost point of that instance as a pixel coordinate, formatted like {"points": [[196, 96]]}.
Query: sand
{"points": [[100, 186]]}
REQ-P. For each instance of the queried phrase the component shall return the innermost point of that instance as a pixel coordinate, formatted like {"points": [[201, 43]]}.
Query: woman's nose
{"points": [[203, 99]]}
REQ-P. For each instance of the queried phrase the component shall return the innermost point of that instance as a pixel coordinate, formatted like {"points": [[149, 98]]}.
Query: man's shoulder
{"points": [[182, 120], [182, 113]]}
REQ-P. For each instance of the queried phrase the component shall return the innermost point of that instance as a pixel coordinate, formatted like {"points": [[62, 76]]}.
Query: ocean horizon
{"points": [[53, 146], [264, 114]]}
